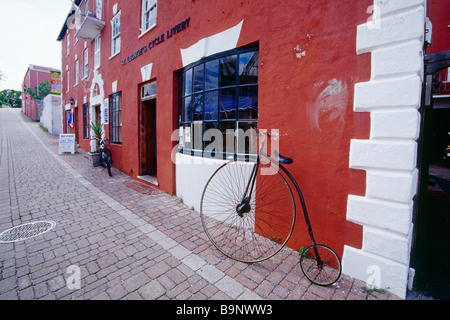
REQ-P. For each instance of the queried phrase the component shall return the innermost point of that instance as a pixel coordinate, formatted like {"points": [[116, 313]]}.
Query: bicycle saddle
{"points": [[281, 159]]}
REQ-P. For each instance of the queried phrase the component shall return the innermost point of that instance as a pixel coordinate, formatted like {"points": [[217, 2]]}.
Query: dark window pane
{"points": [[198, 107], [199, 78], [227, 129], [187, 109], [116, 117], [227, 104], [211, 104], [149, 90], [188, 82], [228, 71], [212, 74], [248, 103], [248, 67]]}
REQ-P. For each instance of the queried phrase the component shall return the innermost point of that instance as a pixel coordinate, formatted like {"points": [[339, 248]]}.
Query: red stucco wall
{"points": [[308, 68]]}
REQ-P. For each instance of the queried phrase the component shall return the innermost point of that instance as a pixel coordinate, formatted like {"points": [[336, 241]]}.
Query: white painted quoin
{"points": [[392, 96]]}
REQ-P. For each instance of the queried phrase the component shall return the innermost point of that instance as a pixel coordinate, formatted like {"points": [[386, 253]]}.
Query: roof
{"points": [[70, 14]]}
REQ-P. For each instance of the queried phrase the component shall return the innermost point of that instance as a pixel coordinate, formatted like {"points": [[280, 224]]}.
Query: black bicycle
{"points": [[248, 212], [105, 155]]}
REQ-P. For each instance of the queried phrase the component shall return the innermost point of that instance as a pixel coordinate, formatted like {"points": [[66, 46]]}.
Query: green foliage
{"points": [[97, 128], [41, 91], [11, 98]]}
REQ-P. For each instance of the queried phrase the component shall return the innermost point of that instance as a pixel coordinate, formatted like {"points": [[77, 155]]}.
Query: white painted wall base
{"points": [[192, 175], [392, 96]]}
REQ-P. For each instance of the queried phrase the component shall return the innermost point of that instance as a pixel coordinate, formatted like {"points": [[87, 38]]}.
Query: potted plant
{"points": [[94, 156]]}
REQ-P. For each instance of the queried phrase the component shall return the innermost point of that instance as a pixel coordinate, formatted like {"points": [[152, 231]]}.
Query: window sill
{"points": [[115, 54], [146, 31]]}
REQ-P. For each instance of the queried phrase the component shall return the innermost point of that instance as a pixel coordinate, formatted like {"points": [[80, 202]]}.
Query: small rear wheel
{"points": [[321, 265]]}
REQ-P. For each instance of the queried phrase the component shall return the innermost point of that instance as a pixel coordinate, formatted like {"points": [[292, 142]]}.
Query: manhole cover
{"points": [[26, 231]]}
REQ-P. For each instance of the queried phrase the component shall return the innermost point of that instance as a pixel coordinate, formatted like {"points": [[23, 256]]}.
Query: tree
{"points": [[11, 98], [41, 91]]}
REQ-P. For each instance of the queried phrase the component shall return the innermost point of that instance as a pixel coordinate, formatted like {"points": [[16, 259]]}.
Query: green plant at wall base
{"points": [[370, 291], [42, 127], [300, 251], [96, 127]]}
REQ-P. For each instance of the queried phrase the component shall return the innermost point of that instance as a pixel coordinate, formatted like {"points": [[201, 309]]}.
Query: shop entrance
{"points": [[148, 138]]}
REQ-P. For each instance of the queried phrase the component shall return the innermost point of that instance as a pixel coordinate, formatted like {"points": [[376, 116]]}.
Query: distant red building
{"points": [[33, 77]]}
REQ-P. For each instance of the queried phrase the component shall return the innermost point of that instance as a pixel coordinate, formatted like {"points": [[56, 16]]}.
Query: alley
{"points": [[115, 238]]}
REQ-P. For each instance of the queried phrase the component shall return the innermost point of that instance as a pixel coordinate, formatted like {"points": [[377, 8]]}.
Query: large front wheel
{"points": [[247, 228]]}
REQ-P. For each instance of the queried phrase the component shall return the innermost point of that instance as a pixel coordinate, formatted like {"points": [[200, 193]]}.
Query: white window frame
{"points": [[68, 80], [98, 9], [115, 36], [85, 63], [68, 43], [148, 15], [97, 52], [77, 71]]}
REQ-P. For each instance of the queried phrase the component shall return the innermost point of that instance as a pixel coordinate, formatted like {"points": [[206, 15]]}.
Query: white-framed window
{"points": [[148, 19], [77, 71], [98, 9], [86, 63], [68, 80], [68, 43], [85, 7], [97, 47], [115, 34]]}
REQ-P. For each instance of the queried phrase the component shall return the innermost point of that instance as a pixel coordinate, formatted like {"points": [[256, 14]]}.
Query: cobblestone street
{"points": [[124, 239]]}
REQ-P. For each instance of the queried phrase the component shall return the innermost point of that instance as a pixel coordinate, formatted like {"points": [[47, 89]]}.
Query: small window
{"points": [[86, 64], [68, 43], [148, 15], [148, 91], [115, 107], [77, 71], [97, 47], [98, 9], [115, 41], [68, 80], [86, 120]]}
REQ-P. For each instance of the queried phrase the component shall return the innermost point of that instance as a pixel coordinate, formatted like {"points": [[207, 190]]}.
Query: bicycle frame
{"points": [[244, 207]]}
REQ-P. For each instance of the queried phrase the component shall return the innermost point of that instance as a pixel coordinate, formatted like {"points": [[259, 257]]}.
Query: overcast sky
{"points": [[28, 33]]}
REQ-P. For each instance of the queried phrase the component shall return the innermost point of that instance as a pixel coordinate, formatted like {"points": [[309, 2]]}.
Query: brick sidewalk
{"points": [[127, 240]]}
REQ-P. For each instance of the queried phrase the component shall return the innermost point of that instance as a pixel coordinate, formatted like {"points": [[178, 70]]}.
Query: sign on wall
{"points": [[106, 111], [55, 82]]}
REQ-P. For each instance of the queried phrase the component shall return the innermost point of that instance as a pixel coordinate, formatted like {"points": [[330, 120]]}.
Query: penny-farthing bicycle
{"points": [[248, 212]]}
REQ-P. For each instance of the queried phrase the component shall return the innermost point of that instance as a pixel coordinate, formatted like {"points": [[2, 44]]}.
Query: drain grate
{"points": [[26, 231]]}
